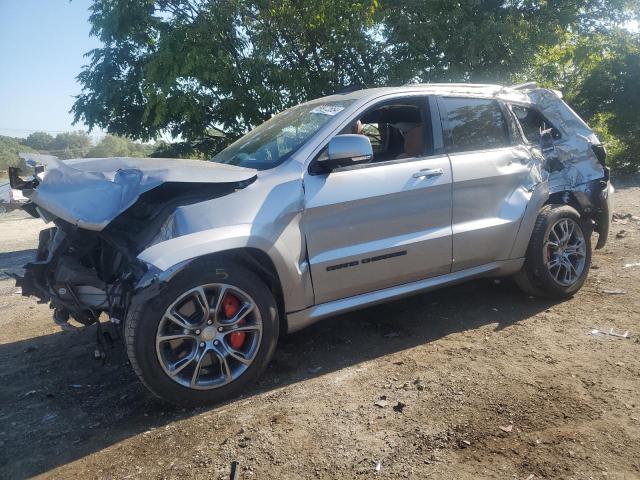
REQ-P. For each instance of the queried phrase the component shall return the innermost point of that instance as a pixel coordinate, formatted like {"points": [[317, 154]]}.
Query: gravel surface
{"points": [[474, 381]]}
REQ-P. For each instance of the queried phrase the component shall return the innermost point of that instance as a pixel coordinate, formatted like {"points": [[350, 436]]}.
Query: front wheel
{"points": [[207, 337], [559, 254]]}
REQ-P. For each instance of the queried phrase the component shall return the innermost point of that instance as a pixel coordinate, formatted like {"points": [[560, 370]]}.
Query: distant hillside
{"points": [[9, 148], [69, 145]]}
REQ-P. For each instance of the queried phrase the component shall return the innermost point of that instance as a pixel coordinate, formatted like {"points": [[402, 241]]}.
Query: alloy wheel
{"points": [[209, 336], [565, 251]]}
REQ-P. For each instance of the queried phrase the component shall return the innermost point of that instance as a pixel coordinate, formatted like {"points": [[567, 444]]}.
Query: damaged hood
{"points": [[91, 192]]}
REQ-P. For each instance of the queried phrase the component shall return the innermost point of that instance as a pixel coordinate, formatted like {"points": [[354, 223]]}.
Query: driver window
{"points": [[396, 130]]}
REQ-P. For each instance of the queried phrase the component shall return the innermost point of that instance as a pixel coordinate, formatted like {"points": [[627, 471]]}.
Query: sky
{"points": [[42, 43]]}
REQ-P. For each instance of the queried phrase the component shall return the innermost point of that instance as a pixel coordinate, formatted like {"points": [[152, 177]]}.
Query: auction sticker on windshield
{"points": [[328, 109]]}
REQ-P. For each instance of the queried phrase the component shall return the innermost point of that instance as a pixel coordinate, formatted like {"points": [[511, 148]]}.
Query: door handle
{"points": [[428, 173]]}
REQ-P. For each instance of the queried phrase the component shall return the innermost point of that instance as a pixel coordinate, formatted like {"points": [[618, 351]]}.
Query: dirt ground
{"points": [[494, 384]]}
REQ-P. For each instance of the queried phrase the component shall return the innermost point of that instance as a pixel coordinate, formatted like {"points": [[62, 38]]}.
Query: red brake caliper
{"points": [[231, 305]]}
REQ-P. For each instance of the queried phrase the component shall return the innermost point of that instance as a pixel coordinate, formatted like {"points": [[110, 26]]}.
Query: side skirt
{"points": [[303, 318]]}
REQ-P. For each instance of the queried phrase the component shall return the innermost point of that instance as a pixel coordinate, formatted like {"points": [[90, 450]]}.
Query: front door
{"points": [[383, 223]]}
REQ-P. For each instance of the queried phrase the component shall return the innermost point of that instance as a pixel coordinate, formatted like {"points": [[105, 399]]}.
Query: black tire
{"points": [[142, 324], [535, 278]]}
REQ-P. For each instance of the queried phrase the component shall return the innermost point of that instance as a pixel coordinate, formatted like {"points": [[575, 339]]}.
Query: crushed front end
{"points": [[81, 274], [105, 212]]}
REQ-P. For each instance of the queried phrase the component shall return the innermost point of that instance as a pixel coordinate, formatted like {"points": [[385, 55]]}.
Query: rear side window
{"points": [[474, 124], [533, 123]]}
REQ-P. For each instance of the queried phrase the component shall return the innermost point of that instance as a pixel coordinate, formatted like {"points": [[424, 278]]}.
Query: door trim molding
{"points": [[303, 318]]}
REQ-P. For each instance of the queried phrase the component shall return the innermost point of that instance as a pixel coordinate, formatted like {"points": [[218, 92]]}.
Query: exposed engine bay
{"points": [[84, 268]]}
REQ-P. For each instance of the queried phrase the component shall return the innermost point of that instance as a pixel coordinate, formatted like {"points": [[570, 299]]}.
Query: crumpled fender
{"points": [[265, 216], [175, 254]]}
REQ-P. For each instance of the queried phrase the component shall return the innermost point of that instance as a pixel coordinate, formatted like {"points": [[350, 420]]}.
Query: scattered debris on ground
{"points": [[382, 402], [461, 369], [610, 333], [614, 291]]}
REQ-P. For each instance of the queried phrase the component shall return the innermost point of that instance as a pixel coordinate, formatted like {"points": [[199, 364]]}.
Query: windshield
{"points": [[277, 139]]}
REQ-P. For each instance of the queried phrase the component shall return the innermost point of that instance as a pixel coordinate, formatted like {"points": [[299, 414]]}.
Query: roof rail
{"points": [[349, 89], [483, 86], [524, 86]]}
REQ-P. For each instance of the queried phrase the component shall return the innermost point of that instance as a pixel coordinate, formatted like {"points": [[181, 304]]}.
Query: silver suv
{"points": [[336, 204]]}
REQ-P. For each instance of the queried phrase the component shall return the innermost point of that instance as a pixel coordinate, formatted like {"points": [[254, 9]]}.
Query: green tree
{"points": [[9, 149], [39, 141], [114, 146], [70, 144], [600, 77], [209, 71], [484, 40]]}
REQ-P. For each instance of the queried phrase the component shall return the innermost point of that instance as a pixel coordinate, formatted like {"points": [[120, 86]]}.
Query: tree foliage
{"points": [[206, 71], [600, 77], [483, 41], [63, 145], [114, 146], [70, 144], [75, 145], [9, 149], [202, 69], [39, 141]]}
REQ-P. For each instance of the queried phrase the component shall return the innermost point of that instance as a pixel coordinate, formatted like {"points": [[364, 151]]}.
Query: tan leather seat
{"points": [[413, 143]]}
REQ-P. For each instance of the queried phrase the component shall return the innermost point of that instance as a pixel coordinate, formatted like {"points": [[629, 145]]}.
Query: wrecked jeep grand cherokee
{"points": [[333, 205]]}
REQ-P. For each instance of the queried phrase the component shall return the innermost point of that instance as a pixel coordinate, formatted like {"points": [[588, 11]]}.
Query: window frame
{"points": [[529, 106], [430, 132], [447, 132]]}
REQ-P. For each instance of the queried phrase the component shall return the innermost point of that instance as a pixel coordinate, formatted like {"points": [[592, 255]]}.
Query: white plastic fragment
{"points": [[381, 403], [597, 332]]}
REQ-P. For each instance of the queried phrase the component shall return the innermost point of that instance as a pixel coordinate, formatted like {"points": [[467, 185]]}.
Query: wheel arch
{"points": [[260, 263], [566, 197], [539, 197], [252, 258], [281, 260], [581, 203]]}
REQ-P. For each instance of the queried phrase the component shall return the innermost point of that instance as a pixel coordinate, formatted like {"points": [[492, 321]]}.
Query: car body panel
{"points": [[573, 148], [368, 228], [490, 195], [299, 320], [536, 198], [265, 215]]}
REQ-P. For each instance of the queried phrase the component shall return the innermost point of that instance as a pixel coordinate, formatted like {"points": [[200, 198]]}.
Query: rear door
{"points": [[387, 222], [491, 170]]}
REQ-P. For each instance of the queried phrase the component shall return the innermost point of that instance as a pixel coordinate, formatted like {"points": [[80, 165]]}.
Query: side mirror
{"points": [[346, 150]]}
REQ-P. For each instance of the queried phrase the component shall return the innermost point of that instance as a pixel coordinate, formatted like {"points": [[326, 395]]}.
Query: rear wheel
{"points": [[207, 337], [559, 254]]}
